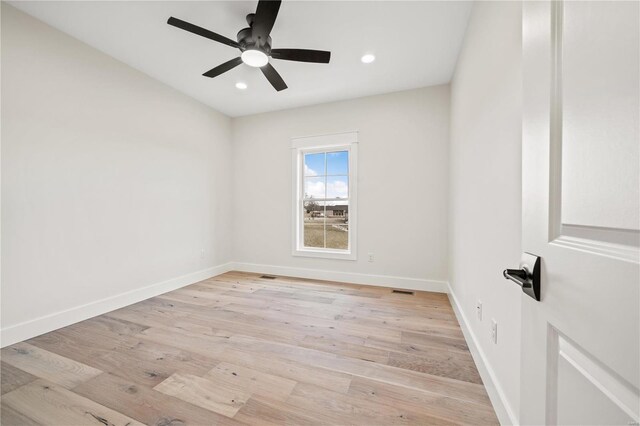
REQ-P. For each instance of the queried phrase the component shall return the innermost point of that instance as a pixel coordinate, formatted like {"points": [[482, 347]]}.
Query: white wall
{"points": [[402, 186], [485, 187], [111, 181]]}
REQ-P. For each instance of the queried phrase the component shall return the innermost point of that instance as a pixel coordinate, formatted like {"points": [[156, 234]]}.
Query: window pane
{"points": [[338, 163], [337, 225], [314, 164], [325, 223], [314, 221], [337, 186], [337, 237], [314, 187]]}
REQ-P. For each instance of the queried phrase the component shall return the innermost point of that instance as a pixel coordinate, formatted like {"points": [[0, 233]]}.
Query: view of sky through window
{"points": [[326, 175]]}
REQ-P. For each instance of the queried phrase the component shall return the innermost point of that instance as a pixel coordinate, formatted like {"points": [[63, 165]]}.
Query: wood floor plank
{"points": [[273, 413], [75, 346], [225, 400], [285, 307], [220, 349], [425, 401], [309, 288], [321, 402], [304, 324], [424, 325], [433, 342], [49, 404], [333, 415], [143, 361], [48, 365], [149, 363], [225, 328], [11, 417], [12, 377], [412, 379], [187, 298], [253, 381], [87, 340], [145, 404], [105, 326], [346, 349], [401, 375], [455, 388], [295, 296], [243, 286], [391, 306], [439, 362], [197, 342], [218, 298], [242, 349], [287, 368]]}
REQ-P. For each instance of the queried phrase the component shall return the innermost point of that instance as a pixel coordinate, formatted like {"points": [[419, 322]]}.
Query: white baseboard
{"points": [[503, 410], [346, 277], [35, 327]]}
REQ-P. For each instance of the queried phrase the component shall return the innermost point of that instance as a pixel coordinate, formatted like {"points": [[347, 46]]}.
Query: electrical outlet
{"points": [[479, 310], [370, 257], [494, 331]]}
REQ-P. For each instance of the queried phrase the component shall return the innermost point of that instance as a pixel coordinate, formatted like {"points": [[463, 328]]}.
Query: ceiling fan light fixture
{"points": [[254, 58], [368, 58]]}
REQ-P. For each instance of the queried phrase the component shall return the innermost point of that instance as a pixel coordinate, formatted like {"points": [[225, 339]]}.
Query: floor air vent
{"points": [[410, 293], [268, 277]]}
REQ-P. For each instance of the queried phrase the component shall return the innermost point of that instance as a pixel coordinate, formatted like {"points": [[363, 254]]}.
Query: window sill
{"points": [[325, 254]]}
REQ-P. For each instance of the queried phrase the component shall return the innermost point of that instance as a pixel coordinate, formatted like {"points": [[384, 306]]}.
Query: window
{"points": [[324, 196]]}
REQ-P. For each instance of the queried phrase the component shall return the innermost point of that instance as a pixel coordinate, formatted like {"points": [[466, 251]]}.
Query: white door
{"points": [[581, 212]]}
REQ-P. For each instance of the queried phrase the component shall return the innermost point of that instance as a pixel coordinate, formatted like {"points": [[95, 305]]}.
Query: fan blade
{"points": [[214, 72], [201, 32], [302, 55], [264, 19], [274, 78]]}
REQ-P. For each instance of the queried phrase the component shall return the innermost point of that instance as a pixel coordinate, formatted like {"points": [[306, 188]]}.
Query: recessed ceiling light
{"points": [[368, 58], [240, 85], [254, 58]]}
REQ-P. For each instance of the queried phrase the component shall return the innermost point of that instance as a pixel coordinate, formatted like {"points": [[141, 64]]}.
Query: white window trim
{"points": [[345, 141]]}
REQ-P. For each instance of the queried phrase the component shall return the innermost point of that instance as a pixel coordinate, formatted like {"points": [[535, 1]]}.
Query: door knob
{"points": [[528, 276]]}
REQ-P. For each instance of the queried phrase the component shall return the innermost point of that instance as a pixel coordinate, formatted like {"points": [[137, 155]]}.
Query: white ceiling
{"points": [[416, 44]]}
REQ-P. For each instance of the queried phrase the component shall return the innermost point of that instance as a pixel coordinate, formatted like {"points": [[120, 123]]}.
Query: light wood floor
{"points": [[240, 349]]}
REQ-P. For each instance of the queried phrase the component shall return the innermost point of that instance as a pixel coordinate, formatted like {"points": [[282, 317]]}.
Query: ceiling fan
{"points": [[255, 44]]}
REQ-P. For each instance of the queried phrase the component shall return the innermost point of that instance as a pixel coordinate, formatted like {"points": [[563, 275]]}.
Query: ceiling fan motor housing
{"points": [[246, 41]]}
